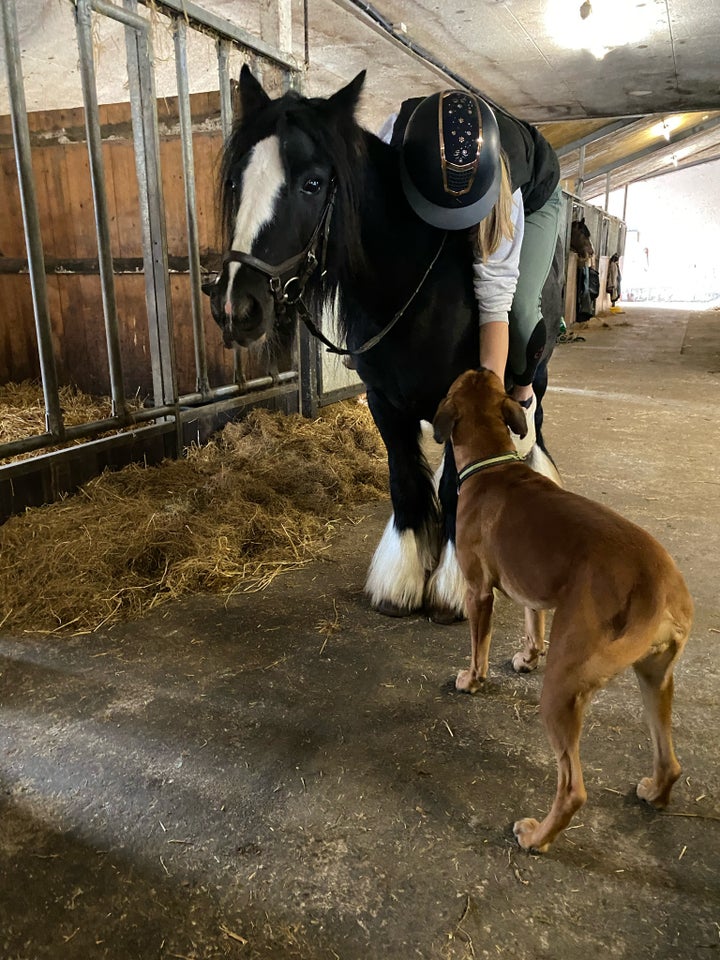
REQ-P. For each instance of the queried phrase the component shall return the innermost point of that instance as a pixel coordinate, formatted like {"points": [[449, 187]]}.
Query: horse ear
{"points": [[514, 416], [345, 100], [252, 95], [444, 421]]}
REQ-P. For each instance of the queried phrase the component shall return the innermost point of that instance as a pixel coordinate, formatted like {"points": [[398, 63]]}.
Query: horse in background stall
{"points": [[587, 275], [314, 211], [581, 242]]}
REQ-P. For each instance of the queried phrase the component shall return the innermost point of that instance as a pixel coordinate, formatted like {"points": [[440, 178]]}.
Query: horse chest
{"points": [[410, 387], [414, 367]]}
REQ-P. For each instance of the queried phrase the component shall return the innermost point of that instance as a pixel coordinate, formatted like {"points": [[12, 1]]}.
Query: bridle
{"points": [[288, 293]]}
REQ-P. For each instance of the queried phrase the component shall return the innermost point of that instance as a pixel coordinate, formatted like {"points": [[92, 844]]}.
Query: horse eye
{"points": [[311, 185]]}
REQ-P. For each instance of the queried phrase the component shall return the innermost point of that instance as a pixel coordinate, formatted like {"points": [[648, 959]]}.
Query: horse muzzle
{"points": [[245, 317], [246, 323]]}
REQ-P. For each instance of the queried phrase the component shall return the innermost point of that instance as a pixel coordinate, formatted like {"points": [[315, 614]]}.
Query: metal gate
{"points": [[168, 419]]}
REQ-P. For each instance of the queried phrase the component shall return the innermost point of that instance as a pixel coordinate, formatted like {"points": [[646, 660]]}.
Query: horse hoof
{"points": [[389, 609], [444, 616]]}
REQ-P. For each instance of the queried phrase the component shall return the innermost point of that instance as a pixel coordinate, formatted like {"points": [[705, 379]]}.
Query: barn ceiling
{"points": [[633, 85]]}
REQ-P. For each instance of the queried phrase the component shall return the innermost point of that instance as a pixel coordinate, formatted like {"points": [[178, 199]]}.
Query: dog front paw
{"points": [[523, 664], [649, 791], [468, 682], [526, 833]]}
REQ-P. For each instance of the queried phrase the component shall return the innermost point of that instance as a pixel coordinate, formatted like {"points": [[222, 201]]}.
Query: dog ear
{"points": [[444, 421], [514, 416]]}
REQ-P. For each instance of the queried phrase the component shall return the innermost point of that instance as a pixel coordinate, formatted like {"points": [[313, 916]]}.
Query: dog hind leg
{"points": [[655, 677], [562, 708], [527, 659]]}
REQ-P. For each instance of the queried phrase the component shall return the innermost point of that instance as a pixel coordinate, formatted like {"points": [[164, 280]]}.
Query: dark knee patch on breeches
{"points": [[533, 354]]}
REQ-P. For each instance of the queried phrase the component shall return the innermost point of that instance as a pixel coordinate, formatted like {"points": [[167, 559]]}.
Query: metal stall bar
{"points": [[580, 172], [147, 163], [226, 122], [41, 479], [83, 19], [229, 36], [31, 219], [226, 110], [188, 162], [27, 483], [229, 395], [197, 16]]}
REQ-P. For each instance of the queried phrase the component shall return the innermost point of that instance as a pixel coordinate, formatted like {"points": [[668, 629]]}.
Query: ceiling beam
{"points": [[682, 165], [598, 134], [663, 145], [654, 163], [570, 165]]}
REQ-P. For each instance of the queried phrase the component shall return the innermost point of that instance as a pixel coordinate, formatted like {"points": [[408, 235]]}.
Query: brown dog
{"points": [[618, 597]]}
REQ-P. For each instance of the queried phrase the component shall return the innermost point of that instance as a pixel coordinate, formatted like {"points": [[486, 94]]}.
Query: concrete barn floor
{"points": [[289, 775]]}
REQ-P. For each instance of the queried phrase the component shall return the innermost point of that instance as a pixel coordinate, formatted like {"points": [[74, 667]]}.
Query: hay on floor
{"points": [[259, 498], [22, 412]]}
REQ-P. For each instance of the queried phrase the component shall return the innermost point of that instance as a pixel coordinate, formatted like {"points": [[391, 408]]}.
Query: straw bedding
{"points": [[261, 497], [22, 411]]}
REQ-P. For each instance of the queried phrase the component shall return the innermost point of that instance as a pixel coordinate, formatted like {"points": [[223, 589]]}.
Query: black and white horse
{"points": [[314, 212]]}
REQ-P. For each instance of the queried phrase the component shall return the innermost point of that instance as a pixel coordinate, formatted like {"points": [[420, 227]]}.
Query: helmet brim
{"points": [[444, 218]]}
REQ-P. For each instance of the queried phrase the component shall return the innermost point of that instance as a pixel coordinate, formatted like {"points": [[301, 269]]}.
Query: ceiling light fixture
{"points": [[665, 127], [602, 26]]}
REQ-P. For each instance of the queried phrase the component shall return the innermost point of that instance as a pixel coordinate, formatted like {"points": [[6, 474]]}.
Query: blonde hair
{"points": [[497, 225]]}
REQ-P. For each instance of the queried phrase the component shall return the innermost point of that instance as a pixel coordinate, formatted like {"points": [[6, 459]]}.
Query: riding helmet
{"points": [[450, 160]]}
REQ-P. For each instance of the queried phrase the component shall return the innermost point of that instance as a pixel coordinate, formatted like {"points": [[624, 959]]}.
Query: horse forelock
{"points": [[340, 142]]}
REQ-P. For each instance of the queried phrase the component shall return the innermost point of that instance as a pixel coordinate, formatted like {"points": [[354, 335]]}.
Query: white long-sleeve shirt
{"points": [[495, 279]]}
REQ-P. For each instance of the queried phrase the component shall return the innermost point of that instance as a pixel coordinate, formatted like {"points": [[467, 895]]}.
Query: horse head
{"points": [[284, 173], [580, 240]]}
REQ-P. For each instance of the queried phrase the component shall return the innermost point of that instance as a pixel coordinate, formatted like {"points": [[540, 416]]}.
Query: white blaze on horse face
{"points": [[262, 181]]}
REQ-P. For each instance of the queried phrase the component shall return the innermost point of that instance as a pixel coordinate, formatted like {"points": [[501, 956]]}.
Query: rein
{"points": [[478, 465], [304, 315], [288, 294]]}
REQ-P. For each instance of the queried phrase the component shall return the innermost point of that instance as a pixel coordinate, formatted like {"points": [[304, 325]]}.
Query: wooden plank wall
{"points": [[61, 168]]}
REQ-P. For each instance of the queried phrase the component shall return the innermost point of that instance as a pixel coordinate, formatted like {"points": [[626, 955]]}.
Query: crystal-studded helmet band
{"points": [[450, 160]]}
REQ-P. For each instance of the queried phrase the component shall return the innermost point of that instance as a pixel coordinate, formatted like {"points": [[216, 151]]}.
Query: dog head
{"points": [[477, 410]]}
